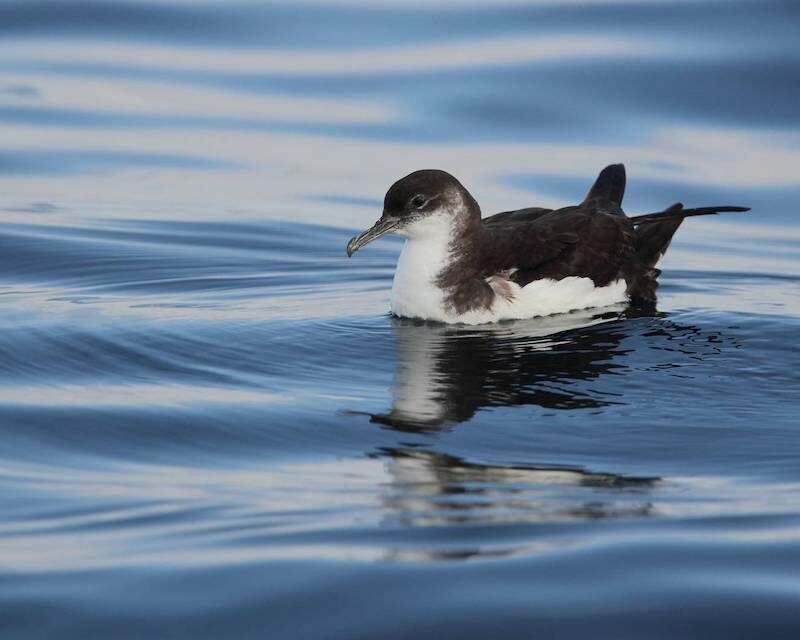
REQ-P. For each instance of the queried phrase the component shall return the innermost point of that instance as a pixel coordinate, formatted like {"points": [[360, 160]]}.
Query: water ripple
{"points": [[210, 424]]}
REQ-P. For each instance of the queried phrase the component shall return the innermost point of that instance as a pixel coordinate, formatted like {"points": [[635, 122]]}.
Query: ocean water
{"points": [[211, 427]]}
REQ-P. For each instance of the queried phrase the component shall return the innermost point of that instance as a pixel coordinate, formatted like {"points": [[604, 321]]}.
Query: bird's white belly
{"points": [[547, 296], [416, 295]]}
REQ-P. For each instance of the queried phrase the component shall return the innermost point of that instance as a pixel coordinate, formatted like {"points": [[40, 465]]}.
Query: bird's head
{"points": [[424, 203]]}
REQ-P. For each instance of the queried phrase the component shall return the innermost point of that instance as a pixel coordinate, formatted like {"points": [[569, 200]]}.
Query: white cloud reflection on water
{"points": [[469, 54], [132, 395], [281, 169], [257, 168], [128, 97], [150, 515]]}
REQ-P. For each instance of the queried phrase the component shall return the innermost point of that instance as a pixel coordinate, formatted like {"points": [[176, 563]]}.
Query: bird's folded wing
{"points": [[574, 241], [517, 216]]}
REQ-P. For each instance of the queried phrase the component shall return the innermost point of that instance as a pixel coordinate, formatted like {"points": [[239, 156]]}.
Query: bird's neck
{"points": [[427, 252], [435, 258]]}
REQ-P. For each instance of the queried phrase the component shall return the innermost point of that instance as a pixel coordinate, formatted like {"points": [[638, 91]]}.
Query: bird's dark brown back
{"points": [[594, 239], [574, 241]]}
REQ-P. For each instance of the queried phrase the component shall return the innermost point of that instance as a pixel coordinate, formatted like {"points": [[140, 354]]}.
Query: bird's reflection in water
{"points": [[446, 373], [430, 489]]}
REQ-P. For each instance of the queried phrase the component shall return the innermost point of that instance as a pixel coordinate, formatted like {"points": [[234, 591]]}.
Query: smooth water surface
{"points": [[210, 426]]}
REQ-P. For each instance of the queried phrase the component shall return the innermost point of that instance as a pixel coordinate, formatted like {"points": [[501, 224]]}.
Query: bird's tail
{"points": [[654, 233], [677, 212]]}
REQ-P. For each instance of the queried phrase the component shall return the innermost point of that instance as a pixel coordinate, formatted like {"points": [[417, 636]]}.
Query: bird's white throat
{"points": [[426, 252]]}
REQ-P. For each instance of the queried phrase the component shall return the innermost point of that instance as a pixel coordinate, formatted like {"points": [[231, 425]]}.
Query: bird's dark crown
{"points": [[421, 192]]}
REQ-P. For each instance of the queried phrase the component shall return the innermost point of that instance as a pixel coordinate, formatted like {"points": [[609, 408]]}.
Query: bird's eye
{"points": [[418, 201]]}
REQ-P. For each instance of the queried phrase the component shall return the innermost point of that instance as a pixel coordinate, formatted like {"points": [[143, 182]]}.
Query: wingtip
{"points": [[733, 209], [615, 168], [609, 185]]}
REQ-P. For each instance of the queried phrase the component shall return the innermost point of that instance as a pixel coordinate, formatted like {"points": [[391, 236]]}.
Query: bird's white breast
{"points": [[424, 255]]}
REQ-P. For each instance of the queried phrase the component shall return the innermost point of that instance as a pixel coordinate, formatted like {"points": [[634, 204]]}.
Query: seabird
{"points": [[457, 267]]}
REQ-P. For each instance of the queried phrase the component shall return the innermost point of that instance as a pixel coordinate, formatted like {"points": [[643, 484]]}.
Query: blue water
{"points": [[210, 427]]}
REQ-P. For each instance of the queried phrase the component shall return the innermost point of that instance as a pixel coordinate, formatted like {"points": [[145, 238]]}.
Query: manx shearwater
{"points": [[458, 267]]}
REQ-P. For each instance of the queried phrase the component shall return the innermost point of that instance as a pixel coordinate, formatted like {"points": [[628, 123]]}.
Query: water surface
{"points": [[212, 428]]}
